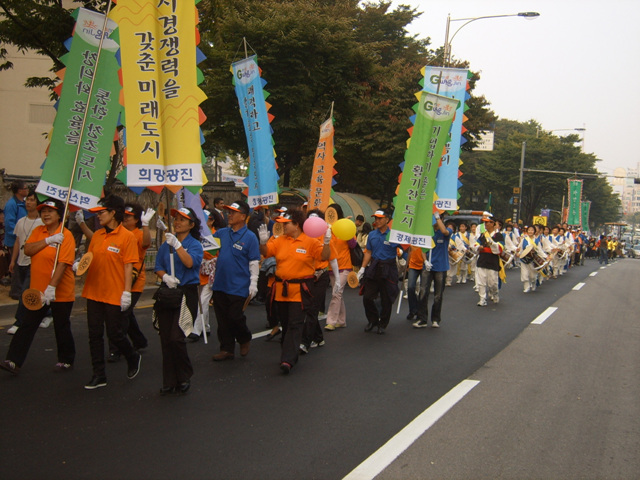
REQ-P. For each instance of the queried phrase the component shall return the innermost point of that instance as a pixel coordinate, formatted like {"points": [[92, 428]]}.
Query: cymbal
{"points": [[32, 299], [352, 280], [84, 263]]}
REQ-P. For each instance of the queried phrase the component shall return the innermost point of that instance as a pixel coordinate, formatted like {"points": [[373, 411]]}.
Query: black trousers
{"points": [[232, 323], [312, 330], [176, 365], [133, 329], [439, 280], [99, 316], [372, 288], [291, 317], [21, 341]]}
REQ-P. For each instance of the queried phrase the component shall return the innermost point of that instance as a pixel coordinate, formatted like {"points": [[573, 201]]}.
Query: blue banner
{"points": [[263, 177]]}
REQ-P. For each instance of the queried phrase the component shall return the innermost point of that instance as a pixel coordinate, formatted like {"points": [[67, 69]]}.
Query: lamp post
{"points": [[447, 40], [577, 129]]}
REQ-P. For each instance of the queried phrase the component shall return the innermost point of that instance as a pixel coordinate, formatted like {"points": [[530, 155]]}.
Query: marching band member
{"points": [[528, 274], [453, 267], [462, 244], [490, 245], [557, 241], [473, 238]]}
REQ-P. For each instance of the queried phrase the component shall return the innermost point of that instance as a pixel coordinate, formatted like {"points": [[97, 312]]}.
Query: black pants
{"points": [[291, 317], [21, 341], [23, 273], [99, 316], [176, 365], [312, 330], [132, 328], [232, 323], [372, 288], [439, 281]]}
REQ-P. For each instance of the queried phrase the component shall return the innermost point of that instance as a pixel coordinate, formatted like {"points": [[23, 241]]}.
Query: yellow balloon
{"points": [[344, 229]]}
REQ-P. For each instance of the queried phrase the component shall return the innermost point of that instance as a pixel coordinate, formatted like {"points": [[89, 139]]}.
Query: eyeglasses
{"points": [[101, 212]]}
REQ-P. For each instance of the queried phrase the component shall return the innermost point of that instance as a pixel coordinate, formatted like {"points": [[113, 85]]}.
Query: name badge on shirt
{"points": [[300, 250], [386, 242], [237, 247], [113, 249], [440, 241]]}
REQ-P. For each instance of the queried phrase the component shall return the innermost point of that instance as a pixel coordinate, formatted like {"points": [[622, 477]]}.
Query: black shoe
{"points": [[96, 382], [272, 336], [411, 316], [167, 391], [113, 357], [285, 368], [193, 337], [183, 387], [134, 367], [380, 330], [369, 327]]}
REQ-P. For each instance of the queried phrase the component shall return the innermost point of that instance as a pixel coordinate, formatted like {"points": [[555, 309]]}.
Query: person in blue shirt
{"points": [[14, 210], [435, 270], [187, 251], [379, 273], [236, 280]]}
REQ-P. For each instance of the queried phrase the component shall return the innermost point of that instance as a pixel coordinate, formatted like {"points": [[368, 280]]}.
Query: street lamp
{"points": [[578, 129], [447, 40]]}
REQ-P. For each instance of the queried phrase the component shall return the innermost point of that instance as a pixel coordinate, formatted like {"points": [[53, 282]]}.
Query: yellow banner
{"points": [[537, 220], [322, 173], [161, 95]]}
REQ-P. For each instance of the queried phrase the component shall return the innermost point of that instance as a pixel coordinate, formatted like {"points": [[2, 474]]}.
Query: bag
{"points": [[167, 298], [357, 255]]}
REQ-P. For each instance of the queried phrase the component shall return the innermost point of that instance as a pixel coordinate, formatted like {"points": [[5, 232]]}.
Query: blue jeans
{"points": [[438, 279], [412, 277]]}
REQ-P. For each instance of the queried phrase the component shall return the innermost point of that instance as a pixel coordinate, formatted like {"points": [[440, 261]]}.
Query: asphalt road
{"points": [[243, 419]]}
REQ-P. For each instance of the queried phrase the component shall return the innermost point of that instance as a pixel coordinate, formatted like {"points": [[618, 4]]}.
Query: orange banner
{"points": [[322, 173]]}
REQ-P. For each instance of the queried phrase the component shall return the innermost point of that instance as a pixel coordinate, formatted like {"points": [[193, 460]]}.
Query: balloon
{"points": [[314, 227], [344, 229]]}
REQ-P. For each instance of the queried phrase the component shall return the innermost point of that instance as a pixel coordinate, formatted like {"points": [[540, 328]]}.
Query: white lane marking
{"points": [[402, 440], [539, 320], [593, 274], [579, 286]]}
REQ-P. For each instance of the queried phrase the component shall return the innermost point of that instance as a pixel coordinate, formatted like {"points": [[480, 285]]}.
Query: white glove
{"points": [[125, 301], [55, 239], [49, 295], [79, 217], [428, 265], [75, 265], [436, 215], [254, 269], [172, 240], [327, 235], [160, 225], [337, 286], [360, 274], [263, 233], [170, 280], [147, 216]]}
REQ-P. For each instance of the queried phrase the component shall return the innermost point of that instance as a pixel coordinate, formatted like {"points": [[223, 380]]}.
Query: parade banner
{"points": [[91, 140], [575, 199], [263, 177], [161, 101], [452, 83], [540, 220], [586, 206], [412, 219], [323, 171]]}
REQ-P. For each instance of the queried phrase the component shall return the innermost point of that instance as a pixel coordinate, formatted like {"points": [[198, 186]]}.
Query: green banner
{"points": [[94, 137], [575, 199], [412, 218], [586, 206]]}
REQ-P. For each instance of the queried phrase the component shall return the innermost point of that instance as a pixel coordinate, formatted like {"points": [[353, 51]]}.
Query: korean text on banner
{"points": [[412, 218], [161, 93], [575, 200], [96, 143], [586, 206], [322, 173], [263, 177], [453, 84]]}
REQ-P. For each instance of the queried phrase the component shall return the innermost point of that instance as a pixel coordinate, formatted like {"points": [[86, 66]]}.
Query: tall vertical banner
{"points": [[263, 177], [96, 144], [159, 54], [323, 171], [575, 202], [586, 206], [452, 83], [412, 218]]}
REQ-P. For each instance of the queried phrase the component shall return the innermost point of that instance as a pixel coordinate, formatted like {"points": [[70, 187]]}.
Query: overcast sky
{"points": [[575, 66]]}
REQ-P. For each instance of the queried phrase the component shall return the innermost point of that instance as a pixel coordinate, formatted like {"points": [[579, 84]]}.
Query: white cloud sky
{"points": [[577, 65]]}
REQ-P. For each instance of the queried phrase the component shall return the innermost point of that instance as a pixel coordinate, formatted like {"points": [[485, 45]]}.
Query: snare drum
{"points": [[455, 256], [507, 257], [468, 256], [538, 261]]}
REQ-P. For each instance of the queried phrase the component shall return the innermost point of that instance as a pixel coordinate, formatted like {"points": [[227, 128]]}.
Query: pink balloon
{"points": [[314, 227]]}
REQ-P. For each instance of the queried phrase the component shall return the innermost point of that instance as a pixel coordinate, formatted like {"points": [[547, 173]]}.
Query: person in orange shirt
{"points": [[107, 288], [337, 314], [296, 256], [58, 288], [414, 270]]}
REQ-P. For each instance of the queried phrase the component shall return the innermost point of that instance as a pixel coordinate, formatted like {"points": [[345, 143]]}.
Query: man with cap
{"points": [[490, 246], [379, 273], [236, 280]]}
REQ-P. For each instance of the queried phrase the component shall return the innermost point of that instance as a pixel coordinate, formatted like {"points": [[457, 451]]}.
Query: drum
{"points": [[538, 261], [468, 256], [507, 257], [526, 256], [455, 256]]}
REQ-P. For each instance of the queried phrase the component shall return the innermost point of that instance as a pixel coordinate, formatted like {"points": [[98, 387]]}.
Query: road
{"points": [[342, 402]]}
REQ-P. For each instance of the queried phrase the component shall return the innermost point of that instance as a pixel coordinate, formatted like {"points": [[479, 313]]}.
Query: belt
{"points": [[285, 283]]}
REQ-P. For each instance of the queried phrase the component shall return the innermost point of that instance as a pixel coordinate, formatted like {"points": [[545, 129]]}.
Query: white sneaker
{"points": [[435, 325], [482, 303], [12, 330], [322, 316], [527, 290], [495, 299], [46, 321]]}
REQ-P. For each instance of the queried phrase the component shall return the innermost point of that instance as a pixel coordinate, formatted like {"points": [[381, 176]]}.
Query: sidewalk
{"points": [[562, 401]]}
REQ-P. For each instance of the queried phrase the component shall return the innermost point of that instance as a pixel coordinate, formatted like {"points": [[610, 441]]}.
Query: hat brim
{"points": [[282, 220], [43, 205], [229, 207], [97, 209], [488, 220], [175, 212]]}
